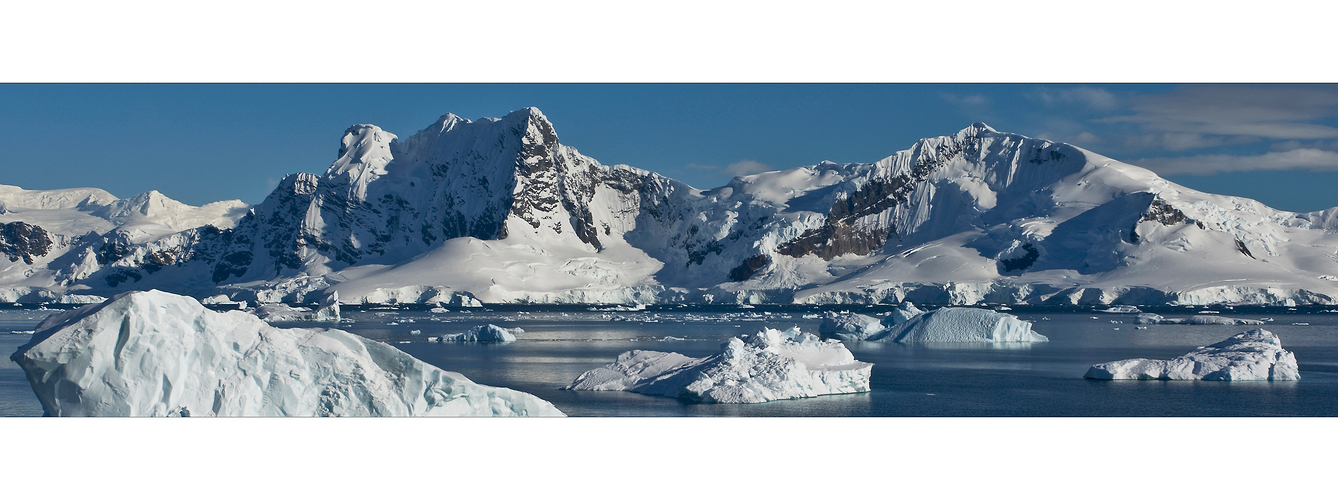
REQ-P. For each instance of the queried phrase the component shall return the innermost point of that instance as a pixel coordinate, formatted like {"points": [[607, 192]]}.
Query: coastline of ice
{"points": [[1253, 355], [765, 366], [156, 354]]}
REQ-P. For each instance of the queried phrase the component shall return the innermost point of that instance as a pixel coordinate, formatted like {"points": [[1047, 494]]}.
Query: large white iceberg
{"points": [[949, 324], [1252, 355], [483, 334], [154, 353], [765, 366]]}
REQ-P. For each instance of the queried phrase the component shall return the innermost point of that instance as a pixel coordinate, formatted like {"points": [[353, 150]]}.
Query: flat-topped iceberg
{"points": [[483, 334], [1120, 310], [1252, 355], [153, 353], [1197, 319], [949, 324], [765, 366]]}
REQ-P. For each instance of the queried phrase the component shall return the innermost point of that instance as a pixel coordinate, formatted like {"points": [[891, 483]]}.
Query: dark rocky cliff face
{"points": [[19, 240], [839, 234]]}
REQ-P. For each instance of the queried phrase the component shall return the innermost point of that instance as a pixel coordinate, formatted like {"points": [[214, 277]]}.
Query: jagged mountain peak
{"points": [[362, 145], [978, 128]]}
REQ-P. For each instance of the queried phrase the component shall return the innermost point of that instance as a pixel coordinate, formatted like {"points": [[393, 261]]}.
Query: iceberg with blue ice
{"points": [[157, 354], [1252, 355], [765, 366]]}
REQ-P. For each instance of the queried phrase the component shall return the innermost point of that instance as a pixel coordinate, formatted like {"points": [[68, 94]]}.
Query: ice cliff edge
{"points": [[153, 353]]}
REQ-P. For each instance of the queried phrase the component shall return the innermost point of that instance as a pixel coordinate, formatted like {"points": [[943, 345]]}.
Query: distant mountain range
{"points": [[499, 210]]}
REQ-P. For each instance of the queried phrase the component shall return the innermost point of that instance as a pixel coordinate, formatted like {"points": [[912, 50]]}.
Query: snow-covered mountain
{"points": [[51, 240], [501, 211]]}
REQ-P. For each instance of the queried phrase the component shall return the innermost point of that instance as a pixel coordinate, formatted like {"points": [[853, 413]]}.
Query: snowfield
{"points": [[1252, 355], [765, 366], [157, 354]]}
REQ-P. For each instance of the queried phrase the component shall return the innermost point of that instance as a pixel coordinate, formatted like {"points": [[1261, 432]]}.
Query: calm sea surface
{"points": [[1040, 379]]}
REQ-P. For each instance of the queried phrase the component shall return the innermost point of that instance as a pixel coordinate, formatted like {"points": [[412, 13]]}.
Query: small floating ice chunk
{"points": [[1252, 355], [1120, 310], [766, 366]]}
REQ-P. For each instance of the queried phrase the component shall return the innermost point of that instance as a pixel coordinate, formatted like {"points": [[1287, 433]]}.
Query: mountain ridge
{"points": [[500, 210]]}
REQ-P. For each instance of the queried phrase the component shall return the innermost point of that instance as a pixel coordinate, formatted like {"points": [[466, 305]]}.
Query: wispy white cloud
{"points": [[1260, 111], [747, 167], [1182, 141], [1297, 159], [1092, 97], [1068, 131], [976, 106]]}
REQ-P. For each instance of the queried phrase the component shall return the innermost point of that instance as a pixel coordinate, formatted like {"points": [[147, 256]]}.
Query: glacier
{"points": [[499, 210], [1252, 355], [765, 366], [153, 353]]}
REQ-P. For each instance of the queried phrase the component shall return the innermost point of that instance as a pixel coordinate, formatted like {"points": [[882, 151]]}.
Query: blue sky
{"points": [[206, 142]]}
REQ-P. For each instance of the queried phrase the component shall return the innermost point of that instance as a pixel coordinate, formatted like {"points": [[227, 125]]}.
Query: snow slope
{"points": [[155, 354], [765, 366]]}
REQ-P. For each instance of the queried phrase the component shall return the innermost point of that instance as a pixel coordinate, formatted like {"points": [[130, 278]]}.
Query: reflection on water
{"points": [[940, 379]]}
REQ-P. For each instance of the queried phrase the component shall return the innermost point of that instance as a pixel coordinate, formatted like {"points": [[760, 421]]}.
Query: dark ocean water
{"points": [[1038, 379]]}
